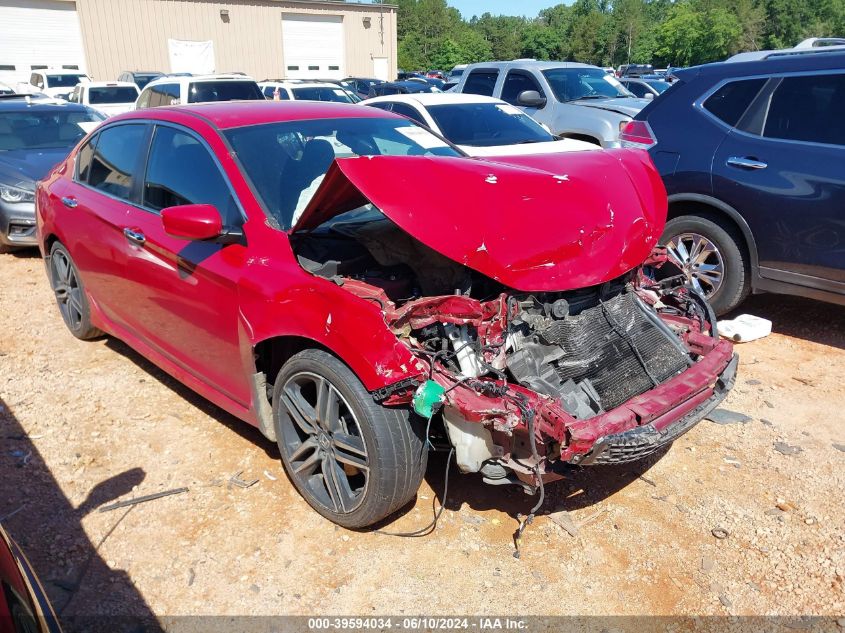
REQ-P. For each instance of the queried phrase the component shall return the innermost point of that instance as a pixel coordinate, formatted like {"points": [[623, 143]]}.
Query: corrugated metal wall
{"points": [[132, 34]]}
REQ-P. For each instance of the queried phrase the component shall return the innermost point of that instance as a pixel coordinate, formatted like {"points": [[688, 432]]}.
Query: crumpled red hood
{"points": [[533, 223]]}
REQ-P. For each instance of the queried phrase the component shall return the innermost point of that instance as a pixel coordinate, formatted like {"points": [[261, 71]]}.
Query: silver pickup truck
{"points": [[574, 100]]}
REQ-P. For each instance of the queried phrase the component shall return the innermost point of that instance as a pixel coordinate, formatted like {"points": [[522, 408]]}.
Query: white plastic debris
{"points": [[745, 328]]}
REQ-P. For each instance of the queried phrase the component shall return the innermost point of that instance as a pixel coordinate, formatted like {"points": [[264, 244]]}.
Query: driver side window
{"points": [[180, 170], [518, 81]]}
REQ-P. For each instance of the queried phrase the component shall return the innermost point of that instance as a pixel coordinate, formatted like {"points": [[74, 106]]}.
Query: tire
{"points": [[727, 257], [70, 294], [375, 456]]}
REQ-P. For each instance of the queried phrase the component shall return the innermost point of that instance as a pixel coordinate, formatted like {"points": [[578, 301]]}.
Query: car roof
{"points": [[109, 84], [772, 65], [20, 103], [197, 78], [530, 63], [436, 98], [231, 114], [58, 71], [293, 84]]}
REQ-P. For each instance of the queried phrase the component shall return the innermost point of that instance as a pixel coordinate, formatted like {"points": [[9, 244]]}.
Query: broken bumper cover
{"points": [[642, 441]]}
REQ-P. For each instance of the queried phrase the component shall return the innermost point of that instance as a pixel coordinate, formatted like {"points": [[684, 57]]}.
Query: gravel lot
{"points": [[84, 424]]}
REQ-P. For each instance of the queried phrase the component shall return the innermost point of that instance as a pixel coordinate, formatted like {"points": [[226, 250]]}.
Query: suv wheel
{"points": [[711, 259], [354, 461], [70, 294]]}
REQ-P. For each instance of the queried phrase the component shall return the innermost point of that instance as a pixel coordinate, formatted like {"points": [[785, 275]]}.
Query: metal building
{"points": [[263, 38]]}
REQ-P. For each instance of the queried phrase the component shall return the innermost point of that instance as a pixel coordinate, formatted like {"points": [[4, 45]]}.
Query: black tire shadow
{"points": [[580, 488], [798, 317], [86, 594], [25, 253], [244, 429]]}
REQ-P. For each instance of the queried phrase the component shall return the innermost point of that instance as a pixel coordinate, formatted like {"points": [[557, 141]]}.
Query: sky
{"points": [[529, 8]]}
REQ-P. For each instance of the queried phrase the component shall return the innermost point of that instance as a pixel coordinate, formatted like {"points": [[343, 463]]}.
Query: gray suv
{"points": [[574, 100]]}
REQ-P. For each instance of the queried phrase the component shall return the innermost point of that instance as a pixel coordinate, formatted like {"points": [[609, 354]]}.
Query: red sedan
{"points": [[282, 260]]}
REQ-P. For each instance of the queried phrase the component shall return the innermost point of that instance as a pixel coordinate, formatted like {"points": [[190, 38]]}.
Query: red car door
{"points": [[96, 200], [186, 297]]}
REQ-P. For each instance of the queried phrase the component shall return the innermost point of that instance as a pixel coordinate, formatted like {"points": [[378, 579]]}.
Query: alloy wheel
{"points": [[699, 260], [323, 444], [67, 290]]}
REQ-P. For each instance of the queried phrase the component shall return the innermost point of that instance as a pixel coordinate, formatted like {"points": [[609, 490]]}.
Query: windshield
{"points": [[64, 81], [143, 80], [487, 124], [286, 162], [571, 84], [322, 93], [45, 129], [112, 94], [226, 90]]}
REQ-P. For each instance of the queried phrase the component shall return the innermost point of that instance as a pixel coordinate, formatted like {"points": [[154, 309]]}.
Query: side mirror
{"points": [[648, 96], [531, 99], [192, 222]]}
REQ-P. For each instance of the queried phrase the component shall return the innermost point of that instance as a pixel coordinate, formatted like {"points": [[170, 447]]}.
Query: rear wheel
{"points": [[70, 294], [353, 461], [710, 257]]}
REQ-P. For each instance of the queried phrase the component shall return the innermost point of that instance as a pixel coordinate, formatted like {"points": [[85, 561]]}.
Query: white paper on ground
{"points": [[745, 328]]}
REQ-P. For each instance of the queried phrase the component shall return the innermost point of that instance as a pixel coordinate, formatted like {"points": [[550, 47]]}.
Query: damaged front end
{"points": [[531, 373]]}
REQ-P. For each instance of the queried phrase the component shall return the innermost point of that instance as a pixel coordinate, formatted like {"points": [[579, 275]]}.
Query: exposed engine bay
{"points": [[604, 374]]}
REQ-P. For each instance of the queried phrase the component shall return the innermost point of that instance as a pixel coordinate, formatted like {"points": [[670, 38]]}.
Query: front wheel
{"points": [[354, 461], [711, 259]]}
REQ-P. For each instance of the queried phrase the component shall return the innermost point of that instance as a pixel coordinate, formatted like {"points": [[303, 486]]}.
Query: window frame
{"points": [[524, 73], [771, 89], [486, 71], [133, 190], [418, 118], [91, 142], [154, 125], [762, 100]]}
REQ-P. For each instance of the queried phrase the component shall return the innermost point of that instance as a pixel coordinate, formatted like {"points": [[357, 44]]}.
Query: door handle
{"points": [[69, 202], [745, 162], [134, 236]]}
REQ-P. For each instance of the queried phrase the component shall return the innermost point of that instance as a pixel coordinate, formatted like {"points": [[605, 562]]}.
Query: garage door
{"points": [[313, 46], [38, 33]]}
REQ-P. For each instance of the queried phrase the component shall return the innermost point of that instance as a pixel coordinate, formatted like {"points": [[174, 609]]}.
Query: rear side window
{"points": [[181, 171], [205, 91], [115, 159], [639, 90], [516, 82], [808, 108], [83, 160], [409, 112], [481, 82], [730, 102], [162, 95]]}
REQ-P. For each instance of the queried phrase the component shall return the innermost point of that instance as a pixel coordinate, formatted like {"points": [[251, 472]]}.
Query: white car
{"points": [[58, 82], [108, 97], [173, 90], [307, 91], [479, 125]]}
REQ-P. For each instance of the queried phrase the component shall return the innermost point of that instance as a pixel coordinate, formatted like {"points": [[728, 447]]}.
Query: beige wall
{"points": [[132, 34]]}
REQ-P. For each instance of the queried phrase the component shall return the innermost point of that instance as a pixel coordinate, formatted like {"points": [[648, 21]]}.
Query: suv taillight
{"points": [[637, 134]]}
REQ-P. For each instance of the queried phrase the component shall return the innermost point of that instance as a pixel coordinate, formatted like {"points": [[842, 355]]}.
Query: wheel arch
{"points": [[587, 138], [698, 204]]}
